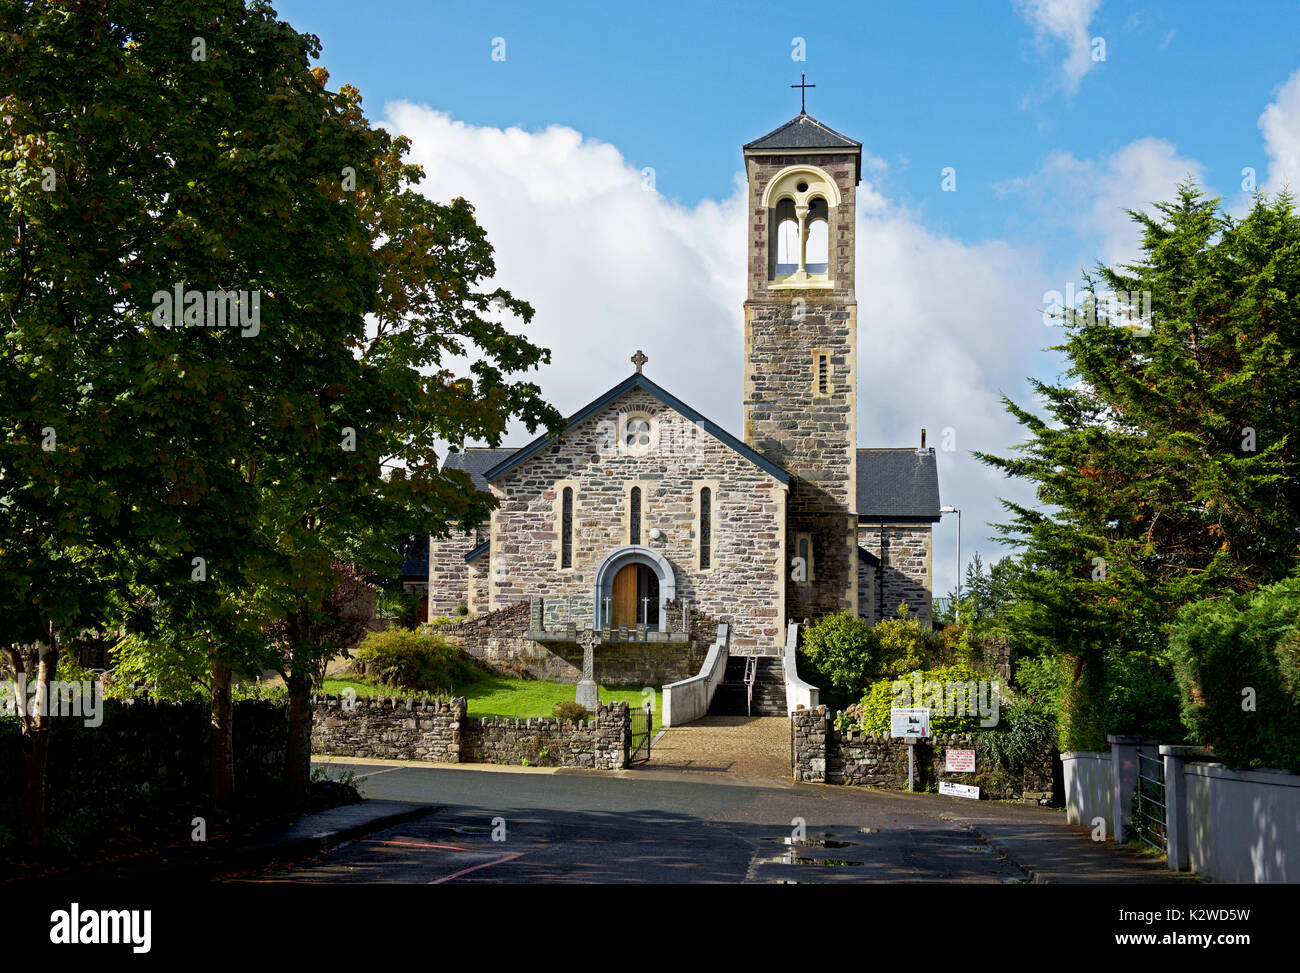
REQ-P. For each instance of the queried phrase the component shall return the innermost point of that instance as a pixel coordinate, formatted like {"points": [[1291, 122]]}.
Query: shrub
{"points": [[1142, 697], [571, 709], [902, 645], [1039, 680], [1025, 732], [882, 696], [1224, 647], [843, 654], [836, 656], [411, 660]]}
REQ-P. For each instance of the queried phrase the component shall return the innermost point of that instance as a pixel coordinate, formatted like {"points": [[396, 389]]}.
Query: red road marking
{"points": [[474, 868], [412, 844]]}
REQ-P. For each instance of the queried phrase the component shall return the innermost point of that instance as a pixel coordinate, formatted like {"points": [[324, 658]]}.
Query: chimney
{"points": [[922, 440]]}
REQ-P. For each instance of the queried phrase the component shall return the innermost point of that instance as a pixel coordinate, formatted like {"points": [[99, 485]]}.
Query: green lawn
{"points": [[506, 696]]}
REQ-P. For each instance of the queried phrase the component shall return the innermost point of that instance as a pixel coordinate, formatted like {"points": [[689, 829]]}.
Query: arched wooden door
{"points": [[622, 607]]}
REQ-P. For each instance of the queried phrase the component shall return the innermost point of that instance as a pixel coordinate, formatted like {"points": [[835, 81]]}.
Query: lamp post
{"points": [[954, 510]]}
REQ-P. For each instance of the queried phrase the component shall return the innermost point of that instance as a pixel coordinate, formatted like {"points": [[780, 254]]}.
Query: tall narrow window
{"points": [[566, 529], [634, 516], [787, 238], [706, 527], [817, 247], [823, 374], [803, 566]]}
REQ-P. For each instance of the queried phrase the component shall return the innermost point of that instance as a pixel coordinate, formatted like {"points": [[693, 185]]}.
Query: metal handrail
{"points": [[751, 673]]}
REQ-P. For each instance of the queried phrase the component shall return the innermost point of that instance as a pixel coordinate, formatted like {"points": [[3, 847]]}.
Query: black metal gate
{"points": [[1149, 822], [639, 724]]}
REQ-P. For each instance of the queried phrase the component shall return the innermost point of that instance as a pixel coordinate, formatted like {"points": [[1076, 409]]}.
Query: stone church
{"points": [[650, 523]]}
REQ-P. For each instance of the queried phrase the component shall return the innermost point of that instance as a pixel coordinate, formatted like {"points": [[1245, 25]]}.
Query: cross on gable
{"points": [[802, 86], [639, 359]]}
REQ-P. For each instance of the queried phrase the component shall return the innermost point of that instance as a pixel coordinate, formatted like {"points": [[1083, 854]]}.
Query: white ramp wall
{"points": [[797, 692], [689, 699]]}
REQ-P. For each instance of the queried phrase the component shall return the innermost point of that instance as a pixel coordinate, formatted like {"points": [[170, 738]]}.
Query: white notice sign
{"points": [[959, 790], [909, 722], [959, 761]]}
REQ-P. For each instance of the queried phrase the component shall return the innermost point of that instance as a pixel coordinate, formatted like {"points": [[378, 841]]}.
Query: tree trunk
{"points": [[35, 723], [222, 736], [297, 770]]}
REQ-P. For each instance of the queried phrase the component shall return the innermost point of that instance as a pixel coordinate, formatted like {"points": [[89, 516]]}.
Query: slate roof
{"points": [[897, 484], [477, 460], [638, 381], [802, 134]]}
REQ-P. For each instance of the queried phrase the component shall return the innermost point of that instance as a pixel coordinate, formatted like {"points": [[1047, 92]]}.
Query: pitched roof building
{"points": [[646, 514]]}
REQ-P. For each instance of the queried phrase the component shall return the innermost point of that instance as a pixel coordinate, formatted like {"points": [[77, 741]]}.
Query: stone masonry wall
{"points": [[744, 583], [866, 589], [811, 436], [814, 436], [497, 639], [146, 754], [439, 730], [825, 754], [449, 574], [907, 563], [595, 744]]}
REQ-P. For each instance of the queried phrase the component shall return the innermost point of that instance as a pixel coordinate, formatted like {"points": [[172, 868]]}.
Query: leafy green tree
{"points": [[1165, 467], [432, 307], [153, 147], [192, 484]]}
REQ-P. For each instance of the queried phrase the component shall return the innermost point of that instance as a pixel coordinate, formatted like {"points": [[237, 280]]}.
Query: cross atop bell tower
{"points": [[803, 86], [801, 370]]}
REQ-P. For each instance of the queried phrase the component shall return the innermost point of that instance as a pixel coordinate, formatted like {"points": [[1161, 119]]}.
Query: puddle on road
{"points": [[830, 862], [814, 842]]}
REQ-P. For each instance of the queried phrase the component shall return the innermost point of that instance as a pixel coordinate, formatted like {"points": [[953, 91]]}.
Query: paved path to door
{"points": [[747, 748]]}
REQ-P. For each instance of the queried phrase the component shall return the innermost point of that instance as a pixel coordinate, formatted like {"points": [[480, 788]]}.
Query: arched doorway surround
{"points": [[621, 558]]}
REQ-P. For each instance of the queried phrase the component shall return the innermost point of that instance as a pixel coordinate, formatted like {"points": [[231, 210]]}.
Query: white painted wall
{"points": [[797, 692], [1243, 826], [1089, 793], [688, 699]]}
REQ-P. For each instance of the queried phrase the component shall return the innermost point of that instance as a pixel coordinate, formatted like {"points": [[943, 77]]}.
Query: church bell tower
{"points": [[801, 367]]}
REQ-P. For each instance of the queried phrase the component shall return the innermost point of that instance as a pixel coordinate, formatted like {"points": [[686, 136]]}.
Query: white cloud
{"points": [[1092, 198], [1064, 22], [1280, 126], [944, 327]]}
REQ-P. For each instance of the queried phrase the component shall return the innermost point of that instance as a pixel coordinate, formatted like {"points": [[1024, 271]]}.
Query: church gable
{"points": [[633, 471], [692, 425]]}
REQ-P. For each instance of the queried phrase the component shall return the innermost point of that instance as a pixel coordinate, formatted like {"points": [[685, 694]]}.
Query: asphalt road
{"points": [[657, 827]]}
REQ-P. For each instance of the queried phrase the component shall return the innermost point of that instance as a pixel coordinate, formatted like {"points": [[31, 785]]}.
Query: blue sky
{"points": [[680, 86], [1049, 147]]}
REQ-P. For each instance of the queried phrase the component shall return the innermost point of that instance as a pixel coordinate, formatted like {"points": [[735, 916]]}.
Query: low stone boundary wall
{"points": [[823, 754], [148, 754], [440, 730]]}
